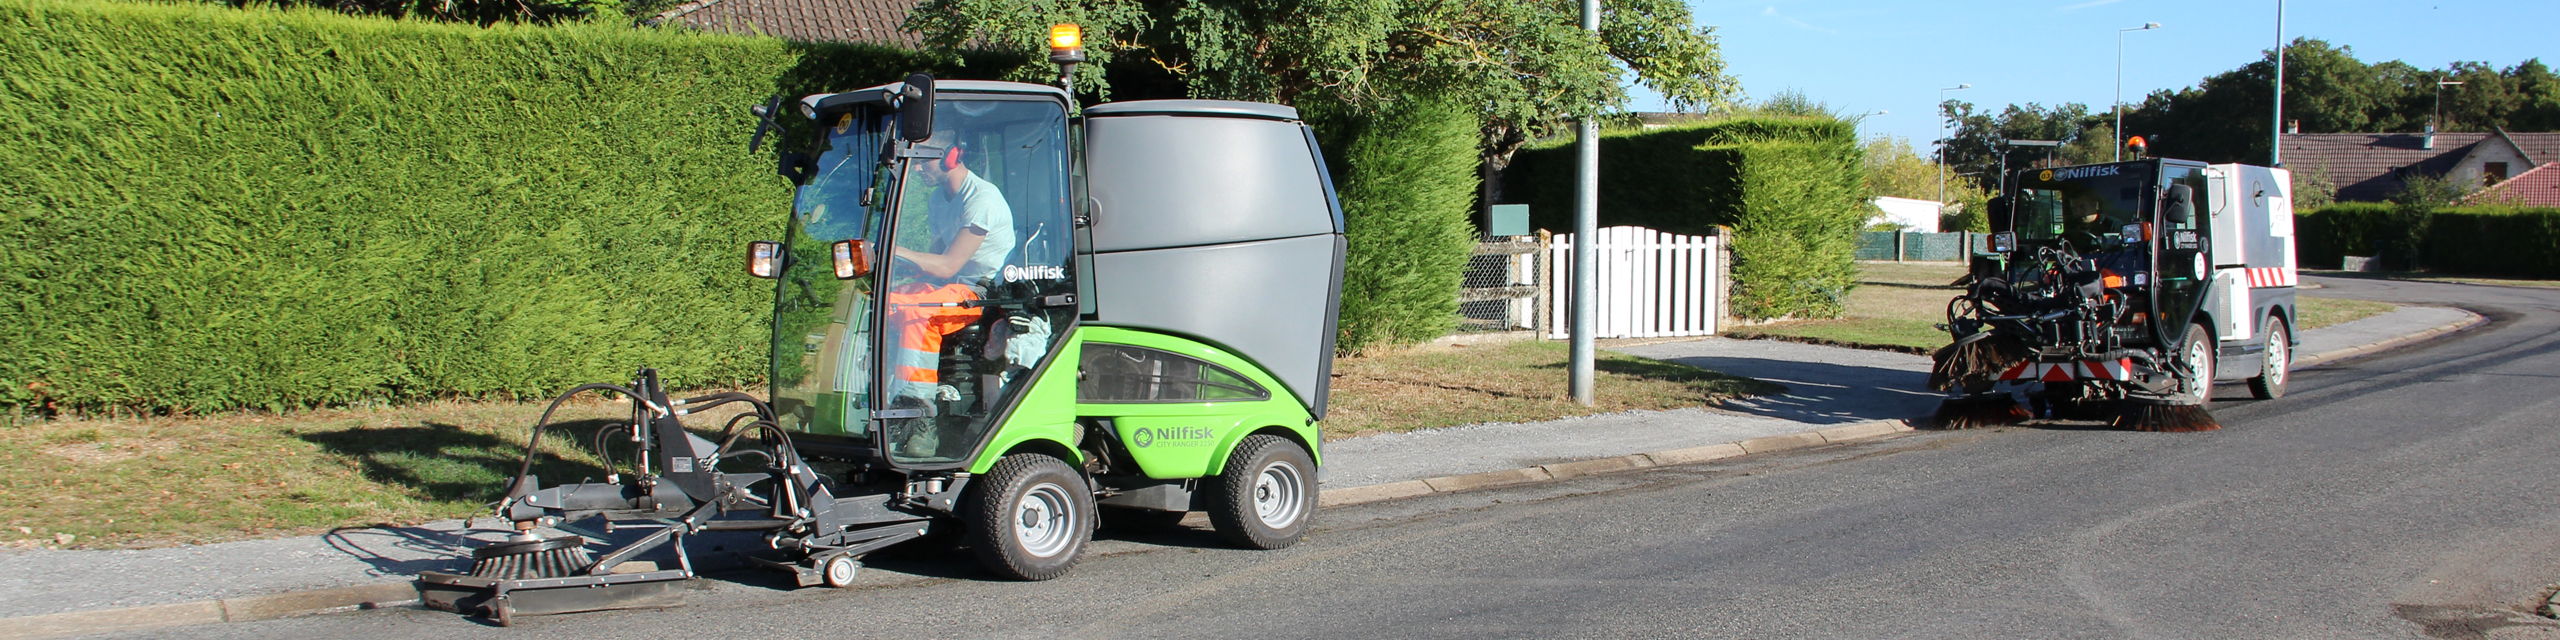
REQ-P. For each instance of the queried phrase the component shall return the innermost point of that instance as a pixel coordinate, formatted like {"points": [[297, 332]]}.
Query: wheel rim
{"points": [[1278, 495], [1045, 520], [2279, 358], [2200, 356], [840, 571]]}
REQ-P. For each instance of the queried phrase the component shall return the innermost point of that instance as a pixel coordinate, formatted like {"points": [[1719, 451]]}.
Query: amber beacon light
{"points": [[1066, 44]]}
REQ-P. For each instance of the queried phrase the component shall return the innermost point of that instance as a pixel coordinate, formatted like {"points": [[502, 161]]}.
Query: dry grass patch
{"points": [[145, 482], [1426, 387], [2322, 312]]}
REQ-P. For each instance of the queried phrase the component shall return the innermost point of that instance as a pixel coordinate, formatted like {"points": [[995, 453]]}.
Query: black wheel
{"points": [[1267, 496], [1128, 520], [2197, 354], [839, 571], [1031, 517], [2277, 365]]}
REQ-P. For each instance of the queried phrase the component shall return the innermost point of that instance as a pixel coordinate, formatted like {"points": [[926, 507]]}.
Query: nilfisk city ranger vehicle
{"points": [[992, 315], [2124, 291]]}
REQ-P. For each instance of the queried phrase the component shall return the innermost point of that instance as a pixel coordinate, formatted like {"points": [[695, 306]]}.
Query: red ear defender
{"points": [[951, 159]]}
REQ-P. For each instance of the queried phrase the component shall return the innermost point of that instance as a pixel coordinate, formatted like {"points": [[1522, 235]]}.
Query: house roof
{"points": [[2538, 187], [2366, 166], [874, 21]]}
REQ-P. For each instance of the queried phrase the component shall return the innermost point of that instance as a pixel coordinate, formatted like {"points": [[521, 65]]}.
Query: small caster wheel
{"points": [[505, 615], [839, 571]]}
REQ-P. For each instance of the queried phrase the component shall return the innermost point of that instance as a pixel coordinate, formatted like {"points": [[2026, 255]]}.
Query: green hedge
{"points": [[1407, 179], [1793, 190], [2487, 241], [205, 208]]}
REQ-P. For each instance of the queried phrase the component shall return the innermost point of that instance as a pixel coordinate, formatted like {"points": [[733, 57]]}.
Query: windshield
{"points": [[968, 234], [2086, 206]]}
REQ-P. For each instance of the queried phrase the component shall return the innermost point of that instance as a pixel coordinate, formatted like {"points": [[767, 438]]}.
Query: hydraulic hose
{"points": [[533, 445]]}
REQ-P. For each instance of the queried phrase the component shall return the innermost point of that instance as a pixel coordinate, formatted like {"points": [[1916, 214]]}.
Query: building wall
{"points": [[2491, 150]]}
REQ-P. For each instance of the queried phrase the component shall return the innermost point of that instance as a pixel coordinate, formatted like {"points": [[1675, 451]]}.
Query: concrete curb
{"points": [[2469, 320], [249, 609], [391, 593]]}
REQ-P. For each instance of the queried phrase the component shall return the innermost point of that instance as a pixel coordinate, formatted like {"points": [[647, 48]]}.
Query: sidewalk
{"points": [[1834, 394]]}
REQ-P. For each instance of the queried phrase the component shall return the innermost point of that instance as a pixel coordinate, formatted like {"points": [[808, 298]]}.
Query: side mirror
{"points": [[764, 259], [2179, 205], [2004, 242], [853, 259], [1996, 212], [915, 108]]}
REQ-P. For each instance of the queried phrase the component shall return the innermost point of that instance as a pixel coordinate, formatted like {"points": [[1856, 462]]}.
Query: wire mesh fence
{"points": [[1500, 289]]}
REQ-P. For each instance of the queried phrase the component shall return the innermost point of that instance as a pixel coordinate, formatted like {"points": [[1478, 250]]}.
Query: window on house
{"points": [[2492, 173]]}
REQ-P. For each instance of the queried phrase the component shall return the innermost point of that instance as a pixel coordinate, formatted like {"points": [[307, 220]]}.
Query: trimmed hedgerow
{"points": [[205, 208], [1407, 177], [2485, 241], [1791, 188]]}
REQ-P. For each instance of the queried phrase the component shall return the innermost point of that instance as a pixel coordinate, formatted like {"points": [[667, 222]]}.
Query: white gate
{"points": [[1649, 284]]}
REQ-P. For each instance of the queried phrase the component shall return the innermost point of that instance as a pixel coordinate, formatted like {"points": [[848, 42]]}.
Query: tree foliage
{"points": [[1523, 66], [1895, 169], [2225, 118]]}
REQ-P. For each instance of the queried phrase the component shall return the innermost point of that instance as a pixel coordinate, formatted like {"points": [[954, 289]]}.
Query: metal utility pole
{"points": [[1586, 223], [1942, 143], [2275, 158], [2147, 26]]}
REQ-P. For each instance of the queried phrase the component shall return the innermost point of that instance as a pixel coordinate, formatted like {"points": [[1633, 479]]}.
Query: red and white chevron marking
{"points": [[2069, 371], [2271, 277]]}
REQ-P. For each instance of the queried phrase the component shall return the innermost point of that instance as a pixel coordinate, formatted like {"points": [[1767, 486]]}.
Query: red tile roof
{"points": [[2537, 187], [874, 21], [2366, 166]]}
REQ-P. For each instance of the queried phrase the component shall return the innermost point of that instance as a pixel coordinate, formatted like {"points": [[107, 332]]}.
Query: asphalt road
{"points": [[2409, 494]]}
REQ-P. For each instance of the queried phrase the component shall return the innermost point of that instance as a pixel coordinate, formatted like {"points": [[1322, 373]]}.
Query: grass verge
{"points": [[1523, 381], [147, 482], [2423, 276], [150, 482], [1896, 307], [2319, 312]]}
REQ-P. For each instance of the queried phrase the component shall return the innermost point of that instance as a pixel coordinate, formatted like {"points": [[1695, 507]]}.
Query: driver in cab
{"points": [[971, 232]]}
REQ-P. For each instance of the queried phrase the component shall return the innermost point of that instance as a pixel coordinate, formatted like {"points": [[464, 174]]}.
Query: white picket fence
{"points": [[1650, 284]]}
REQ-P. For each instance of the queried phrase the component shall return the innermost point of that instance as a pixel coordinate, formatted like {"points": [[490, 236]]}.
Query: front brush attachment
{"points": [[559, 557], [543, 576], [1987, 410], [2158, 416]]}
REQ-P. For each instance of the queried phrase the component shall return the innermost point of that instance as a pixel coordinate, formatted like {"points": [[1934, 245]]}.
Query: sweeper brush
{"points": [[1968, 412], [2162, 417]]}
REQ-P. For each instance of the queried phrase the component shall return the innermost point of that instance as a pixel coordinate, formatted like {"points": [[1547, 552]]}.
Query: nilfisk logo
{"points": [[1171, 437], [2076, 173], [1035, 272]]}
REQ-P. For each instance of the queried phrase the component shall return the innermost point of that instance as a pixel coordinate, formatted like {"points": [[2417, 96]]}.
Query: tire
{"points": [[839, 571], [1127, 520], [2277, 364], [1267, 496], [2197, 353], [1030, 517]]}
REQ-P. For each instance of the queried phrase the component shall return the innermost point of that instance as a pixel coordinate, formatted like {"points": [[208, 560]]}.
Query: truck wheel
{"points": [[2278, 364], [1267, 496], [1127, 520], [1031, 517], [2198, 354]]}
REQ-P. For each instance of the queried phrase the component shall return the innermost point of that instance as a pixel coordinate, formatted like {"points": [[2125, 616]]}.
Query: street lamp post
{"points": [[1942, 142], [2275, 158], [2119, 141]]}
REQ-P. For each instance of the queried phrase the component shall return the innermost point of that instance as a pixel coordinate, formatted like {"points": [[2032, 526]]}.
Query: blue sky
{"points": [[1869, 55]]}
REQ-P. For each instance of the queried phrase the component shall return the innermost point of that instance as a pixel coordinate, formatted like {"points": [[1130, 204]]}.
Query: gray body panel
{"points": [[1215, 220], [1268, 301], [1162, 181]]}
